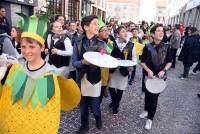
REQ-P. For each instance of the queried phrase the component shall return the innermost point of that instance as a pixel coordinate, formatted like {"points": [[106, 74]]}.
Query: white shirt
{"points": [[68, 46]]}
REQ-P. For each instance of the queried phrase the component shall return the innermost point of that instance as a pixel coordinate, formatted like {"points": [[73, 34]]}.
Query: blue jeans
{"points": [[94, 103]]}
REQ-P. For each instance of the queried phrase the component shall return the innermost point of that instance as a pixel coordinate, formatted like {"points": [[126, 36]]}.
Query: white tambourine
{"points": [[126, 63], [155, 85], [101, 60]]}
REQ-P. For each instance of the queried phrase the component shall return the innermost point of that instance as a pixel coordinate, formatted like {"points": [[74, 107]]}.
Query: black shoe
{"points": [[115, 111], [198, 95], [130, 82], [110, 105], [105, 93], [83, 130], [99, 124]]}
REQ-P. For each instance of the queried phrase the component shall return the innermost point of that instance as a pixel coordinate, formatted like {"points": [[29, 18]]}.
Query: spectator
{"points": [[16, 37], [188, 53], [175, 43], [6, 46], [4, 25]]}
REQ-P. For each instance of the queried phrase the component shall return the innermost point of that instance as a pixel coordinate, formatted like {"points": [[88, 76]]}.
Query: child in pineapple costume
{"points": [[33, 95]]}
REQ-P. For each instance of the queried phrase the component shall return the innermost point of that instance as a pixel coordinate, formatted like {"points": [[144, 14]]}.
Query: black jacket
{"points": [[4, 26], [120, 55], [80, 47], [191, 50]]}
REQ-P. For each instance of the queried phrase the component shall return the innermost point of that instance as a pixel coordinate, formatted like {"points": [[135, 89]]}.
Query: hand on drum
{"points": [[85, 62], [161, 74], [150, 74]]}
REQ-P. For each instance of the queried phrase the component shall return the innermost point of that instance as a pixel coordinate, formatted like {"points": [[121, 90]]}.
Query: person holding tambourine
{"points": [[155, 60]]}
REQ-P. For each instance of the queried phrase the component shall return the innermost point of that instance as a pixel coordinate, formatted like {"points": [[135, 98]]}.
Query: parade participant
{"points": [[113, 26], [33, 95], [74, 36], [138, 49], [72, 32], [58, 48], [131, 25], [104, 35], [89, 76], [155, 60], [119, 76], [61, 19]]}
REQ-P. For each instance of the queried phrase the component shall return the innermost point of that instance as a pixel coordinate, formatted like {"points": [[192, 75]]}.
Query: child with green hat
{"points": [[32, 96]]}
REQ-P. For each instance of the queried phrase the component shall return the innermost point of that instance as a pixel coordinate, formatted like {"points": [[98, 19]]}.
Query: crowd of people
{"points": [[152, 46]]}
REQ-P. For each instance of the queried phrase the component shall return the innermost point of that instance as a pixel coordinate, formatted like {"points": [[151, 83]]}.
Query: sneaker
{"points": [[148, 124], [142, 95], [110, 105], [130, 82], [193, 73], [198, 95], [115, 111], [99, 124], [83, 130], [105, 93], [181, 77], [144, 114]]}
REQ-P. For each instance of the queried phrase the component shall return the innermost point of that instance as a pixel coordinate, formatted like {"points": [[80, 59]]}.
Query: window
{"points": [[56, 6], [73, 9]]}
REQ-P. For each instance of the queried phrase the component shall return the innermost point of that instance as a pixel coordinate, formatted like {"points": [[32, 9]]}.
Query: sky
{"points": [[147, 10]]}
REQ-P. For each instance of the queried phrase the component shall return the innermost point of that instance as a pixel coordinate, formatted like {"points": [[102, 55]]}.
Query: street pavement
{"points": [[178, 110]]}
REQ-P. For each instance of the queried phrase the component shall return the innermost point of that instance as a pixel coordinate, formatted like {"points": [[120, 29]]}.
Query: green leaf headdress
{"points": [[34, 27], [101, 23]]}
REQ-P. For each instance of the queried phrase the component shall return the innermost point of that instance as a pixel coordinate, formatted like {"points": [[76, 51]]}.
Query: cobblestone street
{"points": [[178, 110]]}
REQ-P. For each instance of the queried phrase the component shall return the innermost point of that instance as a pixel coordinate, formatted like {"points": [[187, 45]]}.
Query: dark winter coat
{"points": [[191, 50]]}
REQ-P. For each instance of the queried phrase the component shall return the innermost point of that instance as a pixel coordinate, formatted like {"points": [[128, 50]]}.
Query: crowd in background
{"points": [[63, 35]]}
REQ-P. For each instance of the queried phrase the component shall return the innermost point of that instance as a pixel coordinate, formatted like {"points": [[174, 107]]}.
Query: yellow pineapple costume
{"points": [[109, 48], [31, 104], [105, 71], [138, 48]]}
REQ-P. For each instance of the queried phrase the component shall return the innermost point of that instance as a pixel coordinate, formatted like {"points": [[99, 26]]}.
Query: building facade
{"points": [[71, 9], [188, 13], [161, 15], [22, 6], [123, 10], [86, 7], [98, 8]]}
